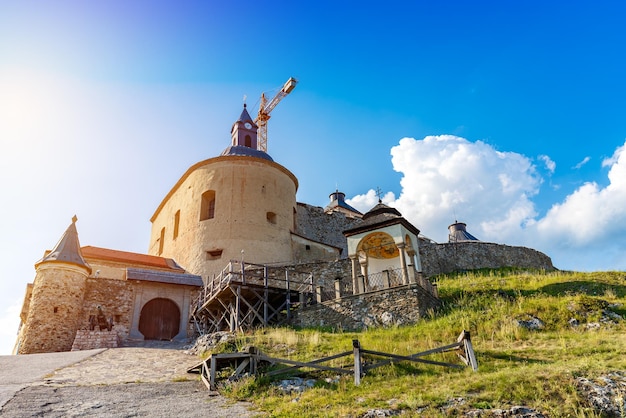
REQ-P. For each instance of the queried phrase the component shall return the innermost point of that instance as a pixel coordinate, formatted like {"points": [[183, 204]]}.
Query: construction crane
{"points": [[266, 107]]}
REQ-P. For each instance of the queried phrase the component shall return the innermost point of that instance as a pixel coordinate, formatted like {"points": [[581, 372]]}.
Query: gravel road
{"points": [[117, 382]]}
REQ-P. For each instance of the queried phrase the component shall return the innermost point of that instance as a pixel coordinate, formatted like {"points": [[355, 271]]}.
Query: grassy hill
{"points": [[536, 335]]}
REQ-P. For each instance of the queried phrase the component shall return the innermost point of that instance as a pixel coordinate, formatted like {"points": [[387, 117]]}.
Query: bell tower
{"points": [[244, 131]]}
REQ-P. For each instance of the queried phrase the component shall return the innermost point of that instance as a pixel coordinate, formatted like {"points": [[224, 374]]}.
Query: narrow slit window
{"points": [[176, 223], [161, 240], [207, 206]]}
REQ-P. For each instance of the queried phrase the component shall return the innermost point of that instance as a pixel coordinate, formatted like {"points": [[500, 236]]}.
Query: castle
{"points": [[240, 205]]}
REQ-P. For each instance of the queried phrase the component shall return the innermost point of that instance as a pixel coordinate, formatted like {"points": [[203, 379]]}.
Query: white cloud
{"points": [[550, 165], [447, 177], [367, 201], [591, 215], [583, 162]]}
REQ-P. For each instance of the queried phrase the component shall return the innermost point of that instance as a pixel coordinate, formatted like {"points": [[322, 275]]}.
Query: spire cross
{"points": [[379, 193]]}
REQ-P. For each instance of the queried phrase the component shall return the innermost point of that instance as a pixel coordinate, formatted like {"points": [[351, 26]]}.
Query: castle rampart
{"points": [[472, 255]]}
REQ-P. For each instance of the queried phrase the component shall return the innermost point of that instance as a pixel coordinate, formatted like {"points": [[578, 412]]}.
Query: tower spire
{"points": [[67, 249]]}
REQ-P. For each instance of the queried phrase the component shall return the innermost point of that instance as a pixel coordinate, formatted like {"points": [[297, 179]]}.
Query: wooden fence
{"points": [[248, 362]]}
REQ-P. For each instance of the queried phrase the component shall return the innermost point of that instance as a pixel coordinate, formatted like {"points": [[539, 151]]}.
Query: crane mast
{"points": [[266, 107]]}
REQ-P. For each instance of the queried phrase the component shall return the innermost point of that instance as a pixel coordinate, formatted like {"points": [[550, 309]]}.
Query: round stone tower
{"points": [[57, 298], [240, 204]]}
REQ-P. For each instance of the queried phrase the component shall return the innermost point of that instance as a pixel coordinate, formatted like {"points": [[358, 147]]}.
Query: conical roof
{"points": [[245, 116], [67, 249], [458, 233], [337, 200]]}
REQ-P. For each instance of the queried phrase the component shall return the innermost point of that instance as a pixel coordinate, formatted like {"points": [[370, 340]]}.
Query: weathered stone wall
{"points": [[55, 306], [460, 256], [396, 306], [115, 297], [313, 223], [88, 340]]}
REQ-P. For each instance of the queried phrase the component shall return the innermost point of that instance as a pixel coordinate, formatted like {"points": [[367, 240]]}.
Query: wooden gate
{"points": [[159, 319]]}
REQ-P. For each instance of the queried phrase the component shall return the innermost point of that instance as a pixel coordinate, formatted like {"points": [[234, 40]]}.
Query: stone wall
{"points": [[313, 223], [88, 340], [460, 256], [396, 306], [115, 297], [55, 305]]}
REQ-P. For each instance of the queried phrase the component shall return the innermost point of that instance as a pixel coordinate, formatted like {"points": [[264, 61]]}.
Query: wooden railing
{"points": [[238, 272]]}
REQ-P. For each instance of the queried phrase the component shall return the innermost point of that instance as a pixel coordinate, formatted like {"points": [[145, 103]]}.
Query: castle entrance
{"points": [[159, 320]]}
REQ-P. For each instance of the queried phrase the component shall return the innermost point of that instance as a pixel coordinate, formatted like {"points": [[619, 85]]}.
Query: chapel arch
{"points": [[378, 245]]}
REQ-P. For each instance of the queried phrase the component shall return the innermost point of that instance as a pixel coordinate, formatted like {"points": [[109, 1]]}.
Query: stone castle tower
{"points": [[240, 204], [57, 297]]}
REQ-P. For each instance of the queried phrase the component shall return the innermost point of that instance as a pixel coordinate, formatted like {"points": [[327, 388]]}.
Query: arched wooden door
{"points": [[159, 319]]}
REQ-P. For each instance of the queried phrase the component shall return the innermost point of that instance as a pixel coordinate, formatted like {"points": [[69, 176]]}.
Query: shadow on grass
{"points": [[510, 358], [573, 287], [583, 287]]}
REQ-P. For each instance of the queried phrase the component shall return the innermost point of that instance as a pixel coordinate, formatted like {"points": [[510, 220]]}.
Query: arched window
{"points": [[248, 141], [207, 205]]}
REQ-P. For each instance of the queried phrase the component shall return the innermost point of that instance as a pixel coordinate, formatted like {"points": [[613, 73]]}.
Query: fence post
{"points": [[358, 371], [338, 288], [265, 295], [318, 294], [469, 350], [212, 372], [288, 301]]}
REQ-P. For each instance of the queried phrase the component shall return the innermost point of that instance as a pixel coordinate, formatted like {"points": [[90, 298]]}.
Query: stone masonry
{"points": [[389, 307], [461, 256], [88, 340]]}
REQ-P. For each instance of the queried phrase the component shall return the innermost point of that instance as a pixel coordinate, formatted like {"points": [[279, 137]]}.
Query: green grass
{"points": [[517, 366]]}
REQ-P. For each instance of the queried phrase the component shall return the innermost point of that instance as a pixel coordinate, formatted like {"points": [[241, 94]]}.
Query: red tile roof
{"points": [[127, 257]]}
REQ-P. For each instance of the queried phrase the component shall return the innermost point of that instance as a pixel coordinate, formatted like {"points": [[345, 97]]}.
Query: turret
{"points": [[57, 297]]}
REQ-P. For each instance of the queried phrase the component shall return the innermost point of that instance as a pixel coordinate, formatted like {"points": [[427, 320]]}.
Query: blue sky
{"points": [[506, 116]]}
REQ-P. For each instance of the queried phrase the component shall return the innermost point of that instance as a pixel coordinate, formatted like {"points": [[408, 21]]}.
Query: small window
{"points": [[176, 223], [207, 206], [56, 309], [161, 240], [248, 141], [271, 217], [214, 254], [308, 247]]}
